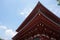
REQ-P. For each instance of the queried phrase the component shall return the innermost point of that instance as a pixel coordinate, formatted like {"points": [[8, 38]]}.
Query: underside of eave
{"points": [[39, 19], [50, 22]]}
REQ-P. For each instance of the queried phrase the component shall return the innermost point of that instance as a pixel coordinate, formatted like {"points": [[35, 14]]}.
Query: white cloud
{"points": [[22, 13], [9, 33], [3, 27], [25, 12]]}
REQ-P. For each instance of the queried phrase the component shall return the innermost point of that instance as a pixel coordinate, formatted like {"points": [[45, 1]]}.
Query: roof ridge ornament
{"points": [[38, 2]]}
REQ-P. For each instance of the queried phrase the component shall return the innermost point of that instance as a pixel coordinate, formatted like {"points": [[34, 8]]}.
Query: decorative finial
{"points": [[38, 2]]}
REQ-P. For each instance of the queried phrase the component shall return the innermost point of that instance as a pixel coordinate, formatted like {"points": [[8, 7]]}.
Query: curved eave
{"points": [[33, 13]]}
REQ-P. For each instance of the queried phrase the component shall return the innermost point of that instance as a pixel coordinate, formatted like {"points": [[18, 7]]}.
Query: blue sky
{"points": [[14, 12]]}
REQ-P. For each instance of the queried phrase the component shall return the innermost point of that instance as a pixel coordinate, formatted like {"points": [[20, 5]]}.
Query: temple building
{"points": [[41, 24]]}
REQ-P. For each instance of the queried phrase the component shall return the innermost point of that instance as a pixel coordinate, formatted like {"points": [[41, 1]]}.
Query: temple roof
{"points": [[39, 13], [46, 12]]}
